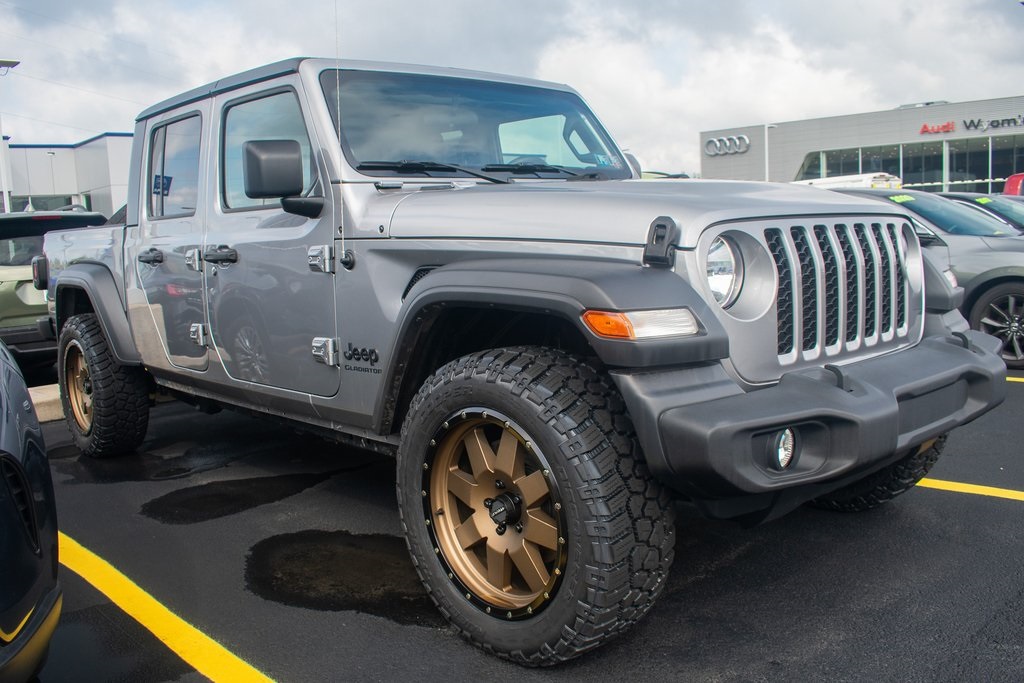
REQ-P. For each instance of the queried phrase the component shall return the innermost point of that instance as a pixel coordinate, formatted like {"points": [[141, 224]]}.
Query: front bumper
{"points": [[25, 655], [708, 439], [30, 344]]}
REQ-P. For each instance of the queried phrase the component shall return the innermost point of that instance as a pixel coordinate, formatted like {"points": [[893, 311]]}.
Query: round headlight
{"points": [[724, 271]]}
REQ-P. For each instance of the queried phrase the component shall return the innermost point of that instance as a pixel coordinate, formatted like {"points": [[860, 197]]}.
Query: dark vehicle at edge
{"points": [[30, 593], [986, 256]]}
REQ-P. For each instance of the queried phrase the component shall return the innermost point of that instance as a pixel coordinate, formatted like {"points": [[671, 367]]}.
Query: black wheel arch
{"points": [[980, 285], [475, 305], [91, 288]]}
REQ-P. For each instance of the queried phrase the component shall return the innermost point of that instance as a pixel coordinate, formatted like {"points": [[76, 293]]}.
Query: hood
{"points": [[611, 212], [1009, 243]]}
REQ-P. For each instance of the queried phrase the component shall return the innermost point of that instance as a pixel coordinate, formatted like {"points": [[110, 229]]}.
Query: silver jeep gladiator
{"points": [[463, 270]]}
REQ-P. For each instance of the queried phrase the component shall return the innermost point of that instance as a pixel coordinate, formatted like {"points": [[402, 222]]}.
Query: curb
{"points": [[46, 400]]}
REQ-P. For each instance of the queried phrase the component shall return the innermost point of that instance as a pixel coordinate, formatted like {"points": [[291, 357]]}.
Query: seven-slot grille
{"points": [[840, 286]]}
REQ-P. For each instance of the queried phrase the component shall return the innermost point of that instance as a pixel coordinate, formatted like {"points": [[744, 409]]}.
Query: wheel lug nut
{"points": [[488, 502], [499, 484], [501, 529], [519, 528]]}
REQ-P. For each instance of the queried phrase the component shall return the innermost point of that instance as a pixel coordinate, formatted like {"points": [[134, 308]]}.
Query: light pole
{"points": [[5, 66], [766, 127]]}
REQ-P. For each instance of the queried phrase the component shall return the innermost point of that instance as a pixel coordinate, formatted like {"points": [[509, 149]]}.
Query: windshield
{"points": [[412, 124], [1006, 208], [951, 217]]}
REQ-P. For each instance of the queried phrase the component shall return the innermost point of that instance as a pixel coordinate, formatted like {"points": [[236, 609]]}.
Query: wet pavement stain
{"points": [[222, 498], [336, 570]]}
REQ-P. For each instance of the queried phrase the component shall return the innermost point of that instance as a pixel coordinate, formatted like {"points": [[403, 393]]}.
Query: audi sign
{"points": [[732, 144]]}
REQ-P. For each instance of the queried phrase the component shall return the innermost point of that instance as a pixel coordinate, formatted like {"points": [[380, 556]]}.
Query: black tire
{"points": [[885, 484], [1000, 312], [106, 405], [598, 530]]}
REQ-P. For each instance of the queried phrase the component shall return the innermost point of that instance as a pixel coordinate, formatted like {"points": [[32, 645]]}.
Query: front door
{"points": [[266, 302]]}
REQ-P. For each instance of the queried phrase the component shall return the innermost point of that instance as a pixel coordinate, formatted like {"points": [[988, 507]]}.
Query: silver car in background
{"points": [[985, 254]]}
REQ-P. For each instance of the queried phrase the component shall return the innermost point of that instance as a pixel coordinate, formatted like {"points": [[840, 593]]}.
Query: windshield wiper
{"points": [[408, 166], [528, 168]]}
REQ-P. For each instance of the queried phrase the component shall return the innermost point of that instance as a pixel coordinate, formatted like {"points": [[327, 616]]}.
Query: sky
{"points": [[657, 72]]}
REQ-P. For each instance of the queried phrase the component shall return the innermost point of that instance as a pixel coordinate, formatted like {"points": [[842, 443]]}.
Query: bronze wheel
{"points": [[106, 404], [529, 512], [495, 517], [78, 386]]}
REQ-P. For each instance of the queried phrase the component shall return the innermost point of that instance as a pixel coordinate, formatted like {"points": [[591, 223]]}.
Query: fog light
{"points": [[783, 448]]}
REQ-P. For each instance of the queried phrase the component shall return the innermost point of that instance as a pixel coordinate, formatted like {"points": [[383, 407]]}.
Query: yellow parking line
{"points": [[1015, 379], [200, 651], [971, 488]]}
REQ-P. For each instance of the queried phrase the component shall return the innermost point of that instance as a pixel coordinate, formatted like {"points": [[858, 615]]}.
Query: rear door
{"points": [[166, 246], [267, 302]]}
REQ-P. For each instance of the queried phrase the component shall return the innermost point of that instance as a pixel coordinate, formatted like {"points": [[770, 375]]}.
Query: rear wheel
{"points": [[885, 484], [106, 405], [529, 512]]}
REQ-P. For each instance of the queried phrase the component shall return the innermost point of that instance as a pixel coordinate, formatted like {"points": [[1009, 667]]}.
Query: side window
{"points": [[275, 117], [174, 168]]}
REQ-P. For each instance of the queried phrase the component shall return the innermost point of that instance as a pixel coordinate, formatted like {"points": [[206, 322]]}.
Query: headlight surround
{"points": [[638, 325], [724, 271]]}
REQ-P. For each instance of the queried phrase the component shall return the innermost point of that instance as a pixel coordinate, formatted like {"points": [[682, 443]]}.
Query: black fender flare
{"points": [[568, 287], [97, 283], [563, 288]]}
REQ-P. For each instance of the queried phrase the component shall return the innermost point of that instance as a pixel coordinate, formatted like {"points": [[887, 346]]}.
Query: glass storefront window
{"points": [[1007, 158], [811, 168], [922, 166], [842, 162], [883, 159], [968, 161]]}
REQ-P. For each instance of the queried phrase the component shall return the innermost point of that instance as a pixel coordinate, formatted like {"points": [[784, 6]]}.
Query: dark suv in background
{"points": [[22, 305]]}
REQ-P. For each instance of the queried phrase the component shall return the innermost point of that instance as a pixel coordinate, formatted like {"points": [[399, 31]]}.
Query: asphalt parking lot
{"points": [[282, 553]]}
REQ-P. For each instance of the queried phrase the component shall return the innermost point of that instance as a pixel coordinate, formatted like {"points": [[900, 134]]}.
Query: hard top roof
{"points": [[289, 66]]}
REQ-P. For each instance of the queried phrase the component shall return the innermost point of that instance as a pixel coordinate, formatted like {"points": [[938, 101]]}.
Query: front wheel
{"points": [[885, 484], [1000, 312], [529, 512], [106, 405]]}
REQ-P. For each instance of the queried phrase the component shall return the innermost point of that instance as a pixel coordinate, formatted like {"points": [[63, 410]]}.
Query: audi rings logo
{"points": [[733, 144]]}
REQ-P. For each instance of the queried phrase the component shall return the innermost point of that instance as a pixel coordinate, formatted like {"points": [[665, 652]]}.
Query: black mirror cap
{"points": [[40, 272], [272, 168], [309, 207]]}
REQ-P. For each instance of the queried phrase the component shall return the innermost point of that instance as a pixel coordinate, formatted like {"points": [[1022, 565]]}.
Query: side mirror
{"points": [[272, 168]]}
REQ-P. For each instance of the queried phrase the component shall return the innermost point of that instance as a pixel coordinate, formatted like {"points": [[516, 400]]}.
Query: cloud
{"points": [[657, 73]]}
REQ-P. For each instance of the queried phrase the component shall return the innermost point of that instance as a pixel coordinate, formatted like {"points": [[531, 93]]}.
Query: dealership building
{"points": [[92, 173], [935, 146]]}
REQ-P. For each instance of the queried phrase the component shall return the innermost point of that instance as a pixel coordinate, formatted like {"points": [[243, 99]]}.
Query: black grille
{"points": [[808, 288], [901, 278], [870, 276], [21, 495], [851, 290], [886, 270], [852, 300], [785, 296], [832, 301]]}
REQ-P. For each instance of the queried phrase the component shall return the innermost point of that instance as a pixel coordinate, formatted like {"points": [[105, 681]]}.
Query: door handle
{"points": [[151, 256], [221, 254]]}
